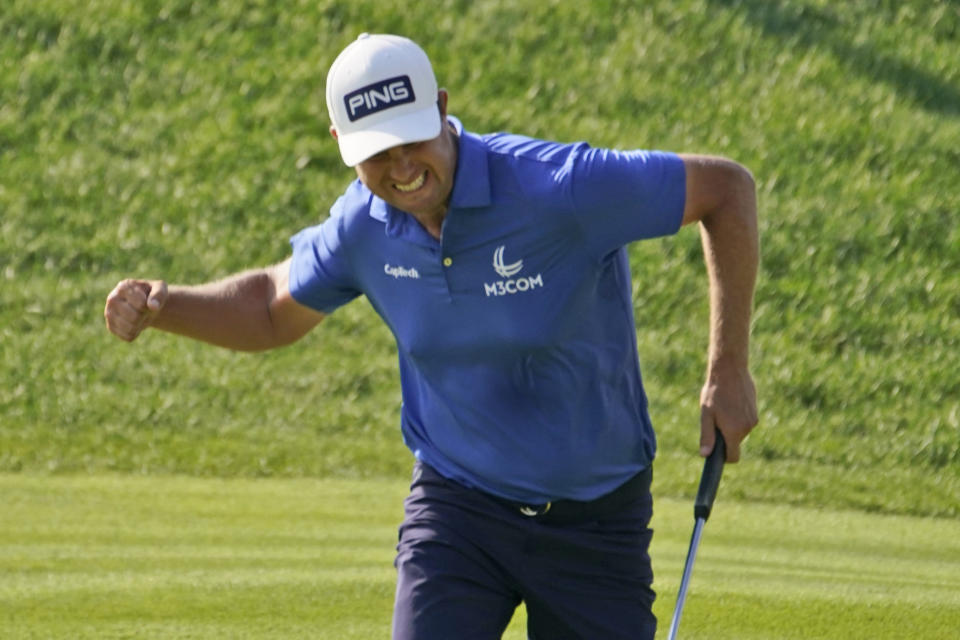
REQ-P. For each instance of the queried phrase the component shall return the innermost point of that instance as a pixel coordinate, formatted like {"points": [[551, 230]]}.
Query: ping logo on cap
{"points": [[378, 96]]}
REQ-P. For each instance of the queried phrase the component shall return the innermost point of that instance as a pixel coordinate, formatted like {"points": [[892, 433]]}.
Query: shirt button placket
{"points": [[447, 263]]}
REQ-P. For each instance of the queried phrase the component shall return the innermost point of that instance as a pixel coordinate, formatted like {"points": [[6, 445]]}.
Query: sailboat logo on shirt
{"points": [[505, 270]]}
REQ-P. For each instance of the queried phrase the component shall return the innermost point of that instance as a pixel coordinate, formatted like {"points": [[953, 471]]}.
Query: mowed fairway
{"points": [[110, 556]]}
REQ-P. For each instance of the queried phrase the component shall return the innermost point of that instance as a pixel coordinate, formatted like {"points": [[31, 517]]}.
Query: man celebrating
{"points": [[499, 264]]}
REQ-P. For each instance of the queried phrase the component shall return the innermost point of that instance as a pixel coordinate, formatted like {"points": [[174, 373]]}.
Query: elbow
{"points": [[740, 188], [717, 188], [738, 197], [746, 185], [744, 195]]}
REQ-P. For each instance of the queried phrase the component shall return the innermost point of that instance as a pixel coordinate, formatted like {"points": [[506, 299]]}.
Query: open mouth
{"points": [[411, 186]]}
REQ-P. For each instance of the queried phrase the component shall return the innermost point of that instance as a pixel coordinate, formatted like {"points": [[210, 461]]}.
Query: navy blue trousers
{"points": [[465, 561]]}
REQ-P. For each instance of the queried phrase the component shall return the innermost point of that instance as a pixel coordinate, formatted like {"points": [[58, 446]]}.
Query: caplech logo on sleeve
{"points": [[401, 272], [510, 285], [378, 96]]}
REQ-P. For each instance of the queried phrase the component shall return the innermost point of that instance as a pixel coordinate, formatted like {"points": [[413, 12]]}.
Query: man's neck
{"points": [[432, 222]]}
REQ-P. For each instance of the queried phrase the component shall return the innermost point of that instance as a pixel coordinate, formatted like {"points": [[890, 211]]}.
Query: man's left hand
{"points": [[728, 402]]}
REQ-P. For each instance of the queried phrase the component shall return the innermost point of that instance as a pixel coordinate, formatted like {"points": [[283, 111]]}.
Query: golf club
{"points": [[709, 481]]}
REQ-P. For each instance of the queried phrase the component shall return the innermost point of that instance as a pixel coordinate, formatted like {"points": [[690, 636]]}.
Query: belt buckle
{"points": [[532, 511]]}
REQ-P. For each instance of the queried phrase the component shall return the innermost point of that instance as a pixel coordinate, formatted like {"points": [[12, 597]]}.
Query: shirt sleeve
{"points": [[320, 273], [623, 196]]}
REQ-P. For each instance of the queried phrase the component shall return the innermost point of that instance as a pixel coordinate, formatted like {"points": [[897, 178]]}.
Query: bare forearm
{"points": [[721, 196], [232, 313], [250, 311], [731, 250]]}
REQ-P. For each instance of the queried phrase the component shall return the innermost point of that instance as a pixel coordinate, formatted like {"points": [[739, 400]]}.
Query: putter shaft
{"points": [[685, 581], [706, 493]]}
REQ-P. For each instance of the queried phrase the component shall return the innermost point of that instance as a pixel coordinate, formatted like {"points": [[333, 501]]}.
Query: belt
{"points": [[608, 504]]}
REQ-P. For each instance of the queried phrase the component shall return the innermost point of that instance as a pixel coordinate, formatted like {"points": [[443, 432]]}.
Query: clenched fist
{"points": [[132, 305]]}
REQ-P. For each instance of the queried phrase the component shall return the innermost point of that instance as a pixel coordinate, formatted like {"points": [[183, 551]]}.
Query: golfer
{"points": [[498, 262]]}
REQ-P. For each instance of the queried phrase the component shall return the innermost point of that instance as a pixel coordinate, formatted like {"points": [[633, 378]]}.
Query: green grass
{"points": [[187, 140], [113, 556]]}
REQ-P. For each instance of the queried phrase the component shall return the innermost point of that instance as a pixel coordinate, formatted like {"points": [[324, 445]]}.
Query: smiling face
{"points": [[416, 177]]}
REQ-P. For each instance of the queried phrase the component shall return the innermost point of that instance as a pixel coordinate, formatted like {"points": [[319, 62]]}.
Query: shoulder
{"points": [[531, 167], [349, 215], [354, 203], [356, 210], [529, 151], [569, 160]]}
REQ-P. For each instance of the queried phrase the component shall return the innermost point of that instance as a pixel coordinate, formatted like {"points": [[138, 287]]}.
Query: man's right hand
{"points": [[132, 305]]}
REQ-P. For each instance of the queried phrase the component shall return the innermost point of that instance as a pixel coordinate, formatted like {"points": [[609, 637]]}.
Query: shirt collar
{"points": [[471, 182]]}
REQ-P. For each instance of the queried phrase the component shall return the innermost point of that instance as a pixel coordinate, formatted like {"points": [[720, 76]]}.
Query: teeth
{"points": [[412, 186]]}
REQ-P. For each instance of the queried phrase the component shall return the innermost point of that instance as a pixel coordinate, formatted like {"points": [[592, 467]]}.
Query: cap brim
{"points": [[416, 126]]}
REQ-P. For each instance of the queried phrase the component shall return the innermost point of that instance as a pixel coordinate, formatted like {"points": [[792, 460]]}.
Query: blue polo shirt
{"points": [[515, 331]]}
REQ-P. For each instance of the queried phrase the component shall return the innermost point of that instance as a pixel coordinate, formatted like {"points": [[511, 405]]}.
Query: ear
{"points": [[333, 132], [442, 97]]}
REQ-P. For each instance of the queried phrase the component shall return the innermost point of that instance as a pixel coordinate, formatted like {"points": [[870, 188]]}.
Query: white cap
{"points": [[381, 92]]}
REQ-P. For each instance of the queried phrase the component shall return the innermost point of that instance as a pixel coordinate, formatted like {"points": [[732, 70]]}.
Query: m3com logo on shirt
{"points": [[510, 285], [505, 270]]}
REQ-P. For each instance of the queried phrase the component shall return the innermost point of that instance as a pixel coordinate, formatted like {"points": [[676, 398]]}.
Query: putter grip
{"points": [[710, 480]]}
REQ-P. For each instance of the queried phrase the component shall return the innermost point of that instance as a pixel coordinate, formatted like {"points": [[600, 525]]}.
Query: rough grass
{"points": [[187, 140]]}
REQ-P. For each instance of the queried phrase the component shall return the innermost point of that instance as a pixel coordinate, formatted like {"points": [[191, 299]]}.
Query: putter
{"points": [[709, 481]]}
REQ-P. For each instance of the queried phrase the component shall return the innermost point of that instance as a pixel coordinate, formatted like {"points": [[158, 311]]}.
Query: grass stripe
{"points": [[110, 556]]}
